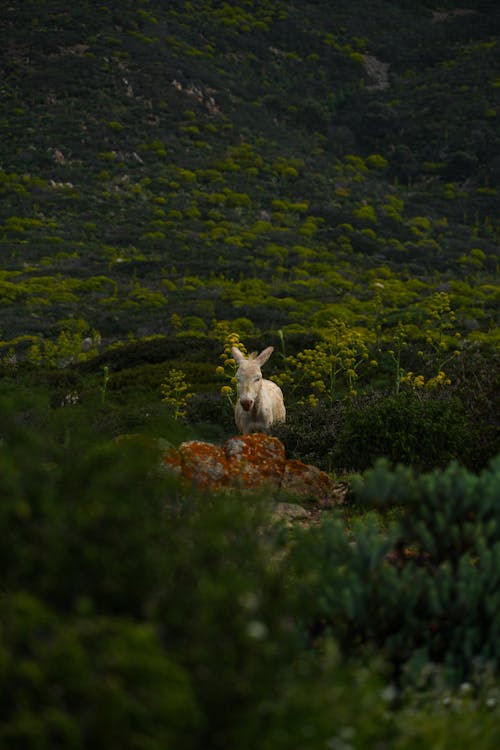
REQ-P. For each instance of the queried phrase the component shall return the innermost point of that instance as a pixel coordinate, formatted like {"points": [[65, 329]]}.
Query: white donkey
{"points": [[260, 402]]}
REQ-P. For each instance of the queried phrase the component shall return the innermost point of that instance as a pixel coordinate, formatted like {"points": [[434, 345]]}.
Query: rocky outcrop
{"points": [[378, 73], [440, 15], [251, 462]]}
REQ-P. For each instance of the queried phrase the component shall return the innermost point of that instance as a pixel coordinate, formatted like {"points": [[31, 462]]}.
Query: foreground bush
{"points": [[88, 681], [136, 614], [426, 589]]}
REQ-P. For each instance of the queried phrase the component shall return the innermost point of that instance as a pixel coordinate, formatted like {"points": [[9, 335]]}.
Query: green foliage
{"points": [[88, 680], [137, 611], [365, 214], [208, 414], [116, 591], [423, 427], [421, 431], [175, 392], [440, 330], [376, 161], [329, 370], [69, 347], [400, 342], [106, 566], [227, 369], [223, 198], [423, 591], [309, 434], [104, 386], [173, 166]]}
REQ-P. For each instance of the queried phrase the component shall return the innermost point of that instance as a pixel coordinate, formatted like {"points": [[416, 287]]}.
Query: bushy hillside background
{"points": [[320, 177], [213, 161]]}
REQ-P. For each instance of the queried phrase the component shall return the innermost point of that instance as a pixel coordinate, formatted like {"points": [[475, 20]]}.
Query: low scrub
{"points": [[421, 585], [136, 613], [423, 431]]}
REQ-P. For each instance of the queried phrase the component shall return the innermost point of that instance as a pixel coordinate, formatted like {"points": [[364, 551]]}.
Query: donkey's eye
{"points": [[257, 378]]}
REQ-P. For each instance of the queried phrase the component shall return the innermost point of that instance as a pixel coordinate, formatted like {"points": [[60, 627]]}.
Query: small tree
{"points": [[175, 393], [333, 366], [228, 368], [441, 336]]}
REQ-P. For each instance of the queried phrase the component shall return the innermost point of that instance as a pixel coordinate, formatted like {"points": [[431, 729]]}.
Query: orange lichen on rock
{"points": [[306, 481], [255, 460], [204, 463], [250, 462], [171, 459]]}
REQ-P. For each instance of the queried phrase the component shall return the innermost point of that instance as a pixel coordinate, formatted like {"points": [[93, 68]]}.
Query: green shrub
{"points": [[139, 612], [132, 613], [309, 434], [482, 404], [425, 589], [105, 552], [88, 682], [211, 415], [423, 431]]}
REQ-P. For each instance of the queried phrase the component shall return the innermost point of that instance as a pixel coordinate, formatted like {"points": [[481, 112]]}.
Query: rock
{"points": [[251, 462], [255, 460], [203, 463], [306, 481], [290, 514], [378, 73]]}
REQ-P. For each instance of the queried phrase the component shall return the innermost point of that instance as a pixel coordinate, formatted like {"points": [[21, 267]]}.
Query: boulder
{"points": [[202, 463], [255, 460], [306, 481], [250, 462]]}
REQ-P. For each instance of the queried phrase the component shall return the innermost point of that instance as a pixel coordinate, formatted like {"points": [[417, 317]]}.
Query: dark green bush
{"points": [[423, 431], [138, 613], [309, 434], [108, 570], [211, 415], [478, 386], [106, 551], [424, 590], [88, 682], [123, 599]]}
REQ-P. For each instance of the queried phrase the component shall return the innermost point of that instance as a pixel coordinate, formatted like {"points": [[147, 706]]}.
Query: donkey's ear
{"points": [[264, 355], [238, 355]]}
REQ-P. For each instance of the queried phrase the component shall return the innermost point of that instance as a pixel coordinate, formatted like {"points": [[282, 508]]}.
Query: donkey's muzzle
{"points": [[246, 404]]}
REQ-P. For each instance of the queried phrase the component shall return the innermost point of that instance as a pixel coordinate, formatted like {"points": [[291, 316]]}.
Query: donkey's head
{"points": [[249, 376]]}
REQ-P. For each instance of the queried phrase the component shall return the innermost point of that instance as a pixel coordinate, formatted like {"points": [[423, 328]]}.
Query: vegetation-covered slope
{"points": [[214, 161]]}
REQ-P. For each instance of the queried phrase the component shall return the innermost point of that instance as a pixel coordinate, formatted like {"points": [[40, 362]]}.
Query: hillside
{"points": [[165, 165]]}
